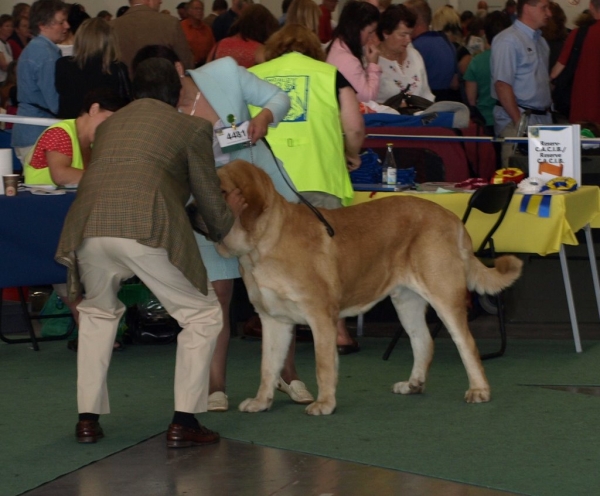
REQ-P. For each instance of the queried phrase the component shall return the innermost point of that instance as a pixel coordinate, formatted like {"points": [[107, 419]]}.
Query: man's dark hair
{"points": [[153, 51], [106, 98], [43, 12], [157, 78], [219, 5], [104, 14], [122, 10], [76, 17], [495, 22], [182, 5]]}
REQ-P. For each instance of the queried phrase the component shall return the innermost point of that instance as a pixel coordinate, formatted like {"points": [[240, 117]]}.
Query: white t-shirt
{"points": [[7, 52], [395, 77], [66, 50]]}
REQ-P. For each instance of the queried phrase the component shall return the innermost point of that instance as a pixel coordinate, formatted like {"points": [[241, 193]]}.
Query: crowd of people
{"points": [[158, 74]]}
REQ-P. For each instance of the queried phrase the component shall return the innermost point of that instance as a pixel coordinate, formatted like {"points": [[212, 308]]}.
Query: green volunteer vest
{"points": [[42, 176], [309, 139]]}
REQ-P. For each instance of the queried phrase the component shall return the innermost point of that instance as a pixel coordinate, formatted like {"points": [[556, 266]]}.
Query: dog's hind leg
{"points": [[411, 312], [454, 317], [276, 339], [324, 335]]}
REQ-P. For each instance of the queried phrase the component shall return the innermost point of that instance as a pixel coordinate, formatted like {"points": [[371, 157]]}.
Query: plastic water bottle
{"points": [[389, 166]]}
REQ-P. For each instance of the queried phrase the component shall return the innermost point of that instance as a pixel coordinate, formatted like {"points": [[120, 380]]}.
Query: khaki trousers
{"points": [[103, 263]]}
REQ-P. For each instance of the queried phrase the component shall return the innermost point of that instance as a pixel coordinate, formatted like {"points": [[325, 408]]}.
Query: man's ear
{"points": [[94, 109]]}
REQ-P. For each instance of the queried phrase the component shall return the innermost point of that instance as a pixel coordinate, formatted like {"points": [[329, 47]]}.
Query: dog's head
{"points": [[258, 190]]}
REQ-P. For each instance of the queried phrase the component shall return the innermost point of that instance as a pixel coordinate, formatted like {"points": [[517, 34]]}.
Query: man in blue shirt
{"points": [[35, 78], [520, 76], [438, 54]]}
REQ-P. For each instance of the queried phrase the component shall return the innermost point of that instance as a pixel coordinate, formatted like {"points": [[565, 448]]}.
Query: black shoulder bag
{"points": [[408, 104]]}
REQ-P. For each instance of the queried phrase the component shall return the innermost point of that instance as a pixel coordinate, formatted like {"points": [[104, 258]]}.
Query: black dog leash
{"points": [[318, 214]]}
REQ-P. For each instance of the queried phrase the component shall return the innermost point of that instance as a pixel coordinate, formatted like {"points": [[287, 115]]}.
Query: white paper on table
{"points": [[6, 165]]}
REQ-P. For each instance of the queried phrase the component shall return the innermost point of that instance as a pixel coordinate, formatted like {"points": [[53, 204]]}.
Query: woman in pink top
{"points": [[352, 36], [247, 36]]}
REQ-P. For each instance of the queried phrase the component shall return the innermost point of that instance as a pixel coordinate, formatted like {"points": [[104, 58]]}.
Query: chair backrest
{"points": [[491, 199]]}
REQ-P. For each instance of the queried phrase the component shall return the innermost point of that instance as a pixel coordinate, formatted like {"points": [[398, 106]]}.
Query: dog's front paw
{"points": [[406, 387], [320, 408], [478, 395], [253, 405]]}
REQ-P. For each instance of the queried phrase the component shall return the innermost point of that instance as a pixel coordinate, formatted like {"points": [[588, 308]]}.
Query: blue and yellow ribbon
{"points": [[536, 205], [561, 184]]}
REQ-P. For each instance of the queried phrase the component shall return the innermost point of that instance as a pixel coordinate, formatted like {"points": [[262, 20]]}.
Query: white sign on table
{"points": [[555, 151]]}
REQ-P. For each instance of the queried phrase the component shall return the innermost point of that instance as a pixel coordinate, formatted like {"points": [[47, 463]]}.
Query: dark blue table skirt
{"points": [[30, 227]]}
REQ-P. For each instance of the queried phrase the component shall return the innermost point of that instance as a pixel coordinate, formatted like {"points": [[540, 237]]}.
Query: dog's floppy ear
{"points": [[251, 182]]}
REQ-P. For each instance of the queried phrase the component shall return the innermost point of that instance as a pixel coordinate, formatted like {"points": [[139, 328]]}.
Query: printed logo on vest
{"points": [[296, 88]]}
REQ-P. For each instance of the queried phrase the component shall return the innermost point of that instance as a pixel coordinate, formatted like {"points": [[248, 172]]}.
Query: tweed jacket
{"points": [[141, 26], [146, 161]]}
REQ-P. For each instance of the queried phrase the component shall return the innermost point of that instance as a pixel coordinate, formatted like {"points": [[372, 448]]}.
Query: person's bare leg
{"points": [[218, 364], [343, 336]]}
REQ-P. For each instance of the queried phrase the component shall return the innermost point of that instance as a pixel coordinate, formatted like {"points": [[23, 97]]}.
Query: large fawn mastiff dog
{"points": [[404, 247]]}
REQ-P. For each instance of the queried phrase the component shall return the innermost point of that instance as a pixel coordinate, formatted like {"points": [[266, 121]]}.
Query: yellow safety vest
{"points": [[309, 139], [42, 176]]}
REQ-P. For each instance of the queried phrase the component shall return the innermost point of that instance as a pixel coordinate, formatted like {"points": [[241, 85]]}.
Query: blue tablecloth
{"points": [[30, 227]]}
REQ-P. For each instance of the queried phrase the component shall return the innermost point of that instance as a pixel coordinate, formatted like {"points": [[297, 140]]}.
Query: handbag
{"points": [[412, 103], [563, 83]]}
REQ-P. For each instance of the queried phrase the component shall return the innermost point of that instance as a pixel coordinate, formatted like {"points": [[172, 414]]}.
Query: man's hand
{"points": [[259, 125], [352, 162], [236, 201]]}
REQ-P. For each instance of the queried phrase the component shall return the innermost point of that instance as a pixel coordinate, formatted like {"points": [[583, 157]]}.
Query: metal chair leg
{"points": [[33, 339], [502, 326], [25, 312], [393, 343]]}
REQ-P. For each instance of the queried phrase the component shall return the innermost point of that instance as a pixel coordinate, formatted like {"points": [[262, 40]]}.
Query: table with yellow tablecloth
{"points": [[523, 232]]}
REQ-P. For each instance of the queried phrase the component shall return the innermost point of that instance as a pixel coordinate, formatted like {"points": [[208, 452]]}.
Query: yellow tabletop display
{"points": [[520, 232]]}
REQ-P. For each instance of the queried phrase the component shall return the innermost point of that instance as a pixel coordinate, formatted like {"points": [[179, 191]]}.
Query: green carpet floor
{"points": [[528, 440]]}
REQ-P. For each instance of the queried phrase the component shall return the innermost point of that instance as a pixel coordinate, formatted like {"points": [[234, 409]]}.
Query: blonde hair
{"points": [[95, 38], [305, 13], [294, 38], [445, 18]]}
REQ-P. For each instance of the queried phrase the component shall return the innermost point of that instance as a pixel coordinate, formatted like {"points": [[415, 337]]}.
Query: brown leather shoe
{"points": [[88, 431], [179, 436]]}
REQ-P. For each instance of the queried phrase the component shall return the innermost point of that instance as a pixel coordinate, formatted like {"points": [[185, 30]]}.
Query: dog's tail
{"points": [[488, 280], [492, 280]]}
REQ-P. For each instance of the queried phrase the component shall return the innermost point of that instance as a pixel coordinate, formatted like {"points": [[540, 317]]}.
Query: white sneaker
{"points": [[296, 390], [217, 402]]}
